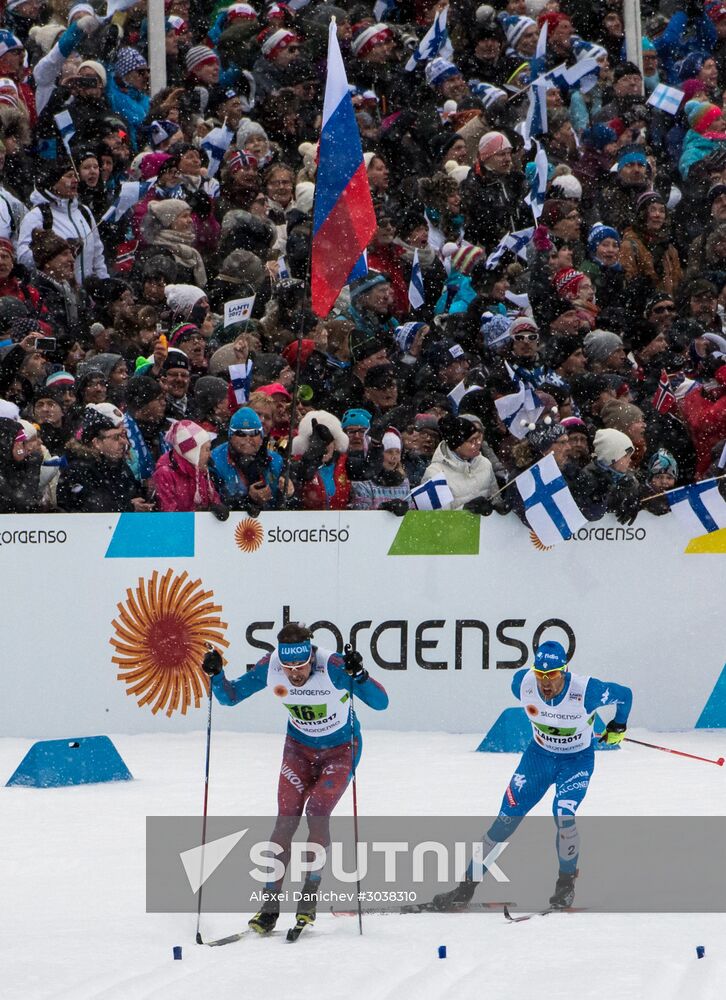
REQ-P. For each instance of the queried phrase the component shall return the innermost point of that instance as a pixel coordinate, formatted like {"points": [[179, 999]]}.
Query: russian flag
{"points": [[343, 220]]}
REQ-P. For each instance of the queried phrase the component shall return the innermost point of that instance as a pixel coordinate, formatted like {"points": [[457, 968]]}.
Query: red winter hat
{"points": [[290, 352], [152, 164], [275, 389], [567, 281], [552, 18]]}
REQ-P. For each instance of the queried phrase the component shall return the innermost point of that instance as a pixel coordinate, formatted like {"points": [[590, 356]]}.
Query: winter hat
{"points": [[567, 186], [166, 212], [466, 257], [391, 439], [60, 378], [438, 70], [550, 656], [545, 434], [305, 347], [9, 43], [199, 55], [142, 389], [50, 171], [176, 359], [648, 198], [94, 424], [109, 410], [598, 345], [405, 335], [716, 10], [128, 60], [599, 136], [552, 18], [243, 265], [492, 143], [305, 431], [456, 430], [8, 410], [567, 281], [365, 285], [247, 128], [273, 42], [106, 363], [701, 115], [600, 232], [619, 415], [515, 27], [363, 344], [575, 425], [691, 65], [97, 67], [559, 349], [7, 246], [380, 377], [662, 461], [181, 299], [523, 324], [487, 93], [241, 12], [187, 440], [357, 417], [587, 50], [553, 211], [45, 245], [185, 331], [495, 329], [246, 422], [150, 166], [611, 445], [629, 154], [369, 37], [274, 389]]}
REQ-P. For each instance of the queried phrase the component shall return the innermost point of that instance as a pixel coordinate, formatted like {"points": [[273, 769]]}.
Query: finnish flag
{"points": [[382, 8], [538, 186], [535, 122], [519, 409], [434, 43], [549, 507], [64, 124], [432, 495], [516, 242], [215, 144], [240, 378], [130, 194], [416, 285], [699, 507], [666, 99]]}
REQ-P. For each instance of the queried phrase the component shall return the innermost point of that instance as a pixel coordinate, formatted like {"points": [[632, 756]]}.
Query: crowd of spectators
{"points": [[121, 387]]}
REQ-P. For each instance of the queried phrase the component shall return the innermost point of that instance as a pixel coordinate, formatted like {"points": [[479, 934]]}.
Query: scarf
{"points": [[181, 246]]}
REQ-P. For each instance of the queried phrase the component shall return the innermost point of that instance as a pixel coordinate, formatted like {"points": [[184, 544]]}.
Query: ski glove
{"points": [[613, 734], [212, 663], [319, 441], [480, 505], [395, 506], [353, 665]]}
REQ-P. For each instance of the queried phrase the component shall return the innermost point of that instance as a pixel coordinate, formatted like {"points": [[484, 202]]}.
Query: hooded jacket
{"points": [[466, 480], [70, 222]]}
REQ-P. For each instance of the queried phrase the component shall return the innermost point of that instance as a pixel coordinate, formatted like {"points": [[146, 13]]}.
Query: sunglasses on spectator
{"points": [[526, 336], [247, 432], [664, 309]]}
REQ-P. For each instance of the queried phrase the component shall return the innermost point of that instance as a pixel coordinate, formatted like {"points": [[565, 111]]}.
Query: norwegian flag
{"points": [[664, 399]]}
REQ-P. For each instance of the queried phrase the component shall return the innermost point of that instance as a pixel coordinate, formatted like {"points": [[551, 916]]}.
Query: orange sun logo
{"points": [[281, 691], [248, 535], [160, 638], [540, 546], [531, 710]]}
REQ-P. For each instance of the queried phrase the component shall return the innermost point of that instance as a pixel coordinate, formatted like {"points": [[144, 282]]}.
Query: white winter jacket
{"points": [[71, 223], [466, 480]]}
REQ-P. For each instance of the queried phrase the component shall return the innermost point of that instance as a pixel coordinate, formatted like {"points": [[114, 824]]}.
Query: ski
{"points": [[294, 933], [541, 913], [423, 908], [225, 940]]}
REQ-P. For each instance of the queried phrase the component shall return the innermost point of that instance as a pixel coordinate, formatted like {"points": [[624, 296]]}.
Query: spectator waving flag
{"points": [[535, 122], [130, 194], [344, 220], [415, 285], [666, 99], [519, 409], [582, 76], [240, 379], [432, 495], [538, 185], [215, 144], [64, 124], [550, 510], [664, 399], [700, 507], [434, 43], [516, 242]]}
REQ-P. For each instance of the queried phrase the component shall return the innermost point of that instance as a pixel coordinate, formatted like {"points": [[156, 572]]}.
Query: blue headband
{"points": [[632, 157], [294, 652]]}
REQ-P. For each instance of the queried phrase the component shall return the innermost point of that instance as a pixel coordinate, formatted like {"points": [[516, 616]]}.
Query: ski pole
{"points": [[679, 753], [206, 799], [355, 801]]}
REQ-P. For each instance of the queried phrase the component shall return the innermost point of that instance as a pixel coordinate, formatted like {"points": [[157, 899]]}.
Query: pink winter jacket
{"points": [[178, 483]]}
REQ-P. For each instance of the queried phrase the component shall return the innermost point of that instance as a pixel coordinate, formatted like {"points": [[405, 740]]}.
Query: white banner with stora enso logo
{"points": [[105, 617]]}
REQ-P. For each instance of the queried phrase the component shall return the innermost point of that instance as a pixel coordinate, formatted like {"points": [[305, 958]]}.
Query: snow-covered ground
{"points": [[72, 880]]}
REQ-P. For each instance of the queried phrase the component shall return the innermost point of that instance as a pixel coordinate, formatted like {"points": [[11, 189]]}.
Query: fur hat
{"points": [[305, 431], [619, 415], [181, 299], [45, 245]]}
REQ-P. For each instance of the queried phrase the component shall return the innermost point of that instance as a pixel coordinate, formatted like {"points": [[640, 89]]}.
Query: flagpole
{"points": [[655, 496]]}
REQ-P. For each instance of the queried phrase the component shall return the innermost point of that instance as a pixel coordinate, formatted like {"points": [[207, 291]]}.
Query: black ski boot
{"points": [[307, 906], [264, 921], [564, 894], [455, 899]]}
